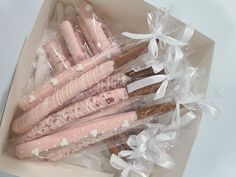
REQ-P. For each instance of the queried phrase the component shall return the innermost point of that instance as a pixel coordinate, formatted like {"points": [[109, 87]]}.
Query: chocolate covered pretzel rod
{"points": [[30, 101], [74, 43], [56, 57], [114, 142], [29, 119], [75, 134], [74, 112], [94, 27]]}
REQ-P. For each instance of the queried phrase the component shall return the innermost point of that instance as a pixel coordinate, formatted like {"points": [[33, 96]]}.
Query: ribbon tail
{"points": [[145, 82], [125, 172], [153, 47], [188, 34], [118, 163], [178, 55], [162, 90], [170, 40], [125, 153], [158, 67], [137, 36], [176, 116], [209, 108], [187, 118]]}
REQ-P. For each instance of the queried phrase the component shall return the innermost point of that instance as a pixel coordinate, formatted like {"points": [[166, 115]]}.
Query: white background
{"points": [[214, 153]]}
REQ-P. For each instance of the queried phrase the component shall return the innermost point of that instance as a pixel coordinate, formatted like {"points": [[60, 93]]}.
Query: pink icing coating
{"points": [[75, 134], [84, 45], [26, 103], [126, 105], [73, 88], [73, 42], [62, 152], [118, 80], [56, 57], [73, 112], [87, 36], [96, 32]]}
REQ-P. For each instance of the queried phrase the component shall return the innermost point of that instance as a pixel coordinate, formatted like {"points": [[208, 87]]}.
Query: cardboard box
{"points": [[132, 14]]}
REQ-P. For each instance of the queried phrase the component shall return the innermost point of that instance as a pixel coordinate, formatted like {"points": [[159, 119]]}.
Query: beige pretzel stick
{"points": [[56, 57], [74, 112], [67, 92], [36, 97], [73, 42], [94, 27]]}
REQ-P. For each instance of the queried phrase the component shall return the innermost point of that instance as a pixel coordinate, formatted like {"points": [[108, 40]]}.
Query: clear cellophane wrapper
{"points": [[92, 90]]}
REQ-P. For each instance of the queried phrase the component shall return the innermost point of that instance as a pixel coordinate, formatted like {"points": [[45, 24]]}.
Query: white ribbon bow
{"points": [[156, 22], [173, 56], [152, 37], [152, 143], [164, 78], [119, 164], [192, 103]]}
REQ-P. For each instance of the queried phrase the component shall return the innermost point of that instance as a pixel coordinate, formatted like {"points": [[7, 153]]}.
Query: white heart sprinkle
{"points": [[79, 67], [31, 98], [108, 56], [54, 81], [94, 133], [88, 8], [125, 124], [35, 152], [64, 142]]}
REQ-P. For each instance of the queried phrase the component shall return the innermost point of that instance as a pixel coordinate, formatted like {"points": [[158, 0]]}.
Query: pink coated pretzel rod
{"points": [[56, 57], [36, 97], [84, 45], [87, 36], [73, 42], [114, 81], [74, 112], [62, 152], [125, 106], [96, 31], [67, 92], [73, 135]]}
